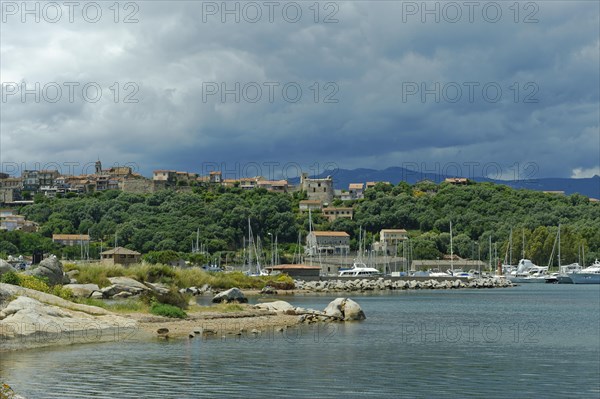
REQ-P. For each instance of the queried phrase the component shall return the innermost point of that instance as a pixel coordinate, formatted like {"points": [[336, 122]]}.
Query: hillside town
{"points": [[332, 248], [51, 183]]}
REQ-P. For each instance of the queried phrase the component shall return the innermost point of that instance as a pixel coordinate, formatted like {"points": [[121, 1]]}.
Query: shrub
{"points": [[10, 278], [162, 273], [34, 283], [163, 309], [173, 297], [6, 392], [282, 282], [192, 277], [63, 292]]}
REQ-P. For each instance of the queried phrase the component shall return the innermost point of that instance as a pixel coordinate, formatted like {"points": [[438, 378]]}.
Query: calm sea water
{"points": [[526, 342]]}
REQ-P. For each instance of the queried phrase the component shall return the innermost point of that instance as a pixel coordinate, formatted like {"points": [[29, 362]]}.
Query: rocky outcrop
{"points": [[31, 319], [345, 309], [205, 289], [340, 309], [123, 287], [334, 308], [159, 288], [229, 296], [275, 306], [82, 290], [268, 290], [5, 267], [50, 269], [380, 284]]}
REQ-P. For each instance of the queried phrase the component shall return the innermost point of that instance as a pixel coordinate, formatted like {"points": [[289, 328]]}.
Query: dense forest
{"points": [[169, 221]]}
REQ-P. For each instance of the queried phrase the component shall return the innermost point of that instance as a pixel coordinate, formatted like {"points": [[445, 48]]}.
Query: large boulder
{"points": [[159, 288], [51, 269], [352, 311], [28, 323], [5, 267], [344, 309], [82, 290], [123, 284], [231, 295], [334, 309]]}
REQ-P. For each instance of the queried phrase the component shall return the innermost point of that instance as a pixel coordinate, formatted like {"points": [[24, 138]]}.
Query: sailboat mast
{"points": [[250, 243], [523, 249], [510, 245], [490, 252], [559, 246], [451, 249], [495, 254]]}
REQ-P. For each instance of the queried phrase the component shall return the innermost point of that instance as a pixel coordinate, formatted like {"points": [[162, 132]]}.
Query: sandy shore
{"points": [[217, 324]]}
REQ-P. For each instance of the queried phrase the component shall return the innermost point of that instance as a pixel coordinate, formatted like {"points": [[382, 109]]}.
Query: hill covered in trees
{"points": [[169, 220]]}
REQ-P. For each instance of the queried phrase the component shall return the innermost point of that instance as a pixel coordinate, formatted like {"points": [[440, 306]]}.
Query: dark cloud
{"points": [[366, 62]]}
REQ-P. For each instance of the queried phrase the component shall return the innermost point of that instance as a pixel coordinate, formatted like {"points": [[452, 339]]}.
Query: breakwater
{"points": [[381, 284]]}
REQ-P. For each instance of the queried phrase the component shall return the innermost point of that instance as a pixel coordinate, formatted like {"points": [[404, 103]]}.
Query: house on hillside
{"points": [[327, 242], [332, 213], [121, 256]]}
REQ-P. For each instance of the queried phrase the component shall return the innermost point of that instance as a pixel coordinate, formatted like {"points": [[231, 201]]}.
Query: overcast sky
{"points": [[382, 84]]}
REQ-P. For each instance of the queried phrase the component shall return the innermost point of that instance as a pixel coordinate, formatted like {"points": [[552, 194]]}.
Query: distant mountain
{"points": [[342, 177]]}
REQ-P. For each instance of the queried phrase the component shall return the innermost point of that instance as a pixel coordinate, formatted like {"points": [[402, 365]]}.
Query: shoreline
{"points": [[216, 324], [61, 323]]}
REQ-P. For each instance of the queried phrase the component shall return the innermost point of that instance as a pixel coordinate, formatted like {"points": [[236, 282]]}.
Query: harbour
{"points": [[534, 340]]}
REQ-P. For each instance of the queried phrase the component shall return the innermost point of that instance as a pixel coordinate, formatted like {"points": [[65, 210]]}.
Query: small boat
{"points": [[552, 278], [528, 272], [589, 275], [564, 276], [460, 273], [359, 269]]}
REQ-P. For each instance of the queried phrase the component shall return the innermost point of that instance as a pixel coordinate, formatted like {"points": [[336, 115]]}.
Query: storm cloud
{"points": [[182, 85]]}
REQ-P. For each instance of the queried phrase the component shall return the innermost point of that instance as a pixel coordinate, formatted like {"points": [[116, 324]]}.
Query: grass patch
{"points": [[97, 273], [163, 309], [219, 308], [126, 306]]}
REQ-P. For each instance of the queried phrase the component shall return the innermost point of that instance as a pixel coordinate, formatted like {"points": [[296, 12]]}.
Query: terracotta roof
{"points": [[70, 237], [394, 231], [120, 251], [310, 202], [356, 186], [294, 267], [341, 208], [330, 234]]}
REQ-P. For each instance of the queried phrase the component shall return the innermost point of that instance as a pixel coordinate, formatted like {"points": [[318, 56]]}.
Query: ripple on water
{"points": [[380, 357]]}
